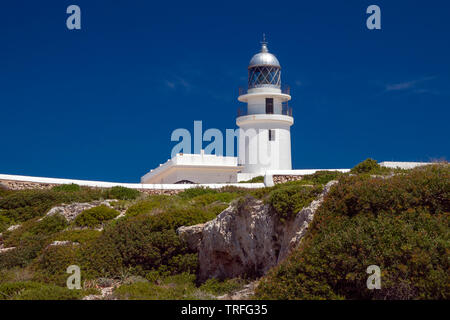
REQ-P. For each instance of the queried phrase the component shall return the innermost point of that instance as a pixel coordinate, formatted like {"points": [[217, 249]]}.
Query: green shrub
{"points": [[133, 243], [187, 263], [20, 256], [122, 193], [370, 166], [147, 205], [52, 263], [209, 198], [400, 224], [322, 177], [184, 216], [367, 166], [29, 239], [95, 216], [288, 201], [194, 192], [4, 191], [5, 222], [23, 205], [67, 188], [34, 230], [427, 187]]}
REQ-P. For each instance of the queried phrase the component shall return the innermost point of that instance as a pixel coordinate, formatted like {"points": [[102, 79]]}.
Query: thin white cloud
{"points": [[178, 82], [407, 85]]}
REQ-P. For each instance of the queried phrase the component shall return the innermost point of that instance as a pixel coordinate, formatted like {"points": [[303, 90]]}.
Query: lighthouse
{"points": [[265, 122]]}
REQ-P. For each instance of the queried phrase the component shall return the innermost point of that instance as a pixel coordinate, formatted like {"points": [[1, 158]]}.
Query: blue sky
{"points": [[101, 103]]}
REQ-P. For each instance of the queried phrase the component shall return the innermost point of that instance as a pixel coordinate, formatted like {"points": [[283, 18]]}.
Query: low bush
{"points": [[20, 256], [370, 166], [147, 205], [321, 177], [288, 201], [427, 187], [4, 191], [67, 188], [134, 243], [21, 206], [34, 231], [29, 239], [95, 216], [52, 263], [121, 193], [209, 198], [5, 222], [194, 192]]}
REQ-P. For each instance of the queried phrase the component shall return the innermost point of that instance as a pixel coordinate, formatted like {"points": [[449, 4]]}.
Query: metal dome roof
{"points": [[264, 58]]}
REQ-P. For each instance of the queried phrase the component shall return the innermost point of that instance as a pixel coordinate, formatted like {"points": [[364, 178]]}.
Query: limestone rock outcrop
{"points": [[72, 210], [191, 235], [247, 238]]}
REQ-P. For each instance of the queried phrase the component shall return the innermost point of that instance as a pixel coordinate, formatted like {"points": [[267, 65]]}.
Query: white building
{"points": [[264, 141], [194, 168]]}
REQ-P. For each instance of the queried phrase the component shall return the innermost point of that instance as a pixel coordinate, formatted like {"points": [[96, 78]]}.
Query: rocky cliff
{"points": [[247, 238]]}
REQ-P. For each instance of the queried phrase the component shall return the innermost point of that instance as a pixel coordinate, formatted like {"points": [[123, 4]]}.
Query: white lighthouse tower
{"points": [[265, 137]]}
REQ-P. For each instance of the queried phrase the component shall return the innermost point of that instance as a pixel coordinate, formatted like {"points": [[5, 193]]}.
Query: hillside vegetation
{"points": [[395, 219], [400, 224]]}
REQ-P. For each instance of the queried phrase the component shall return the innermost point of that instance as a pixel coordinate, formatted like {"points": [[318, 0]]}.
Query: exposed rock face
{"points": [[247, 239], [191, 235], [72, 210], [240, 241]]}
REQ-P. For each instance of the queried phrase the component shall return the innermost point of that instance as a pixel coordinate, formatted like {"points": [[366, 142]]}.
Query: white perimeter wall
{"points": [[102, 184]]}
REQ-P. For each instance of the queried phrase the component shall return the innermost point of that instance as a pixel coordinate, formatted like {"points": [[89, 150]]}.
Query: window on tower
{"points": [[271, 135], [269, 105]]}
